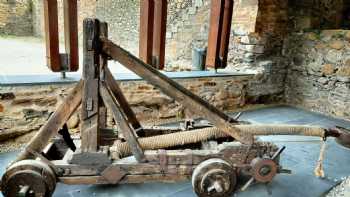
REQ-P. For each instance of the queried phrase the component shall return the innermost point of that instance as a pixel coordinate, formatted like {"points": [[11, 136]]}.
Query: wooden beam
{"points": [[128, 132], [51, 35], [123, 103], [55, 122], [215, 28], [146, 30], [103, 67], [159, 33], [71, 34], [168, 86], [96, 180], [225, 33], [90, 99]]}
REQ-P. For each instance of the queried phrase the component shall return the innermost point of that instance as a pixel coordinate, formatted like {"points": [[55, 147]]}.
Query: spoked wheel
{"points": [[28, 178], [214, 178]]}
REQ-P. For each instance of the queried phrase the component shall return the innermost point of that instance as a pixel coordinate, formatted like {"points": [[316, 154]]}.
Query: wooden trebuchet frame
{"points": [[136, 156]]}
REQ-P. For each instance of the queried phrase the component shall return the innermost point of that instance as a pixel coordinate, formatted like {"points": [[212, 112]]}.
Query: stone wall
{"points": [[318, 14], [16, 17], [319, 71], [27, 107], [257, 43]]}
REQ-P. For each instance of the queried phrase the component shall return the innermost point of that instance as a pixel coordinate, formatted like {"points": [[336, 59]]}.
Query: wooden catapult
{"points": [[214, 155]]}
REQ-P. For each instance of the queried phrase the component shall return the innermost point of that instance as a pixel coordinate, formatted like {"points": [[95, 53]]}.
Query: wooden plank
{"points": [[83, 180], [55, 122], [123, 103], [159, 33], [168, 86], [96, 180], [225, 33], [51, 35], [90, 99], [76, 170], [71, 34], [147, 168], [164, 178], [146, 30], [215, 28], [131, 168], [126, 129]]}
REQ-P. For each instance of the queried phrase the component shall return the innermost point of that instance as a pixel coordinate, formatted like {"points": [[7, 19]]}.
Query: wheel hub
{"points": [[214, 178], [28, 178], [263, 169]]}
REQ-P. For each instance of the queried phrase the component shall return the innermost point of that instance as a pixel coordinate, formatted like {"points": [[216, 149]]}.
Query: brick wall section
{"points": [[16, 17]]}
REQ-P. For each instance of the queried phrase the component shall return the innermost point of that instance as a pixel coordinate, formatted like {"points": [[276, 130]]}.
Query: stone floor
{"points": [[300, 156]]}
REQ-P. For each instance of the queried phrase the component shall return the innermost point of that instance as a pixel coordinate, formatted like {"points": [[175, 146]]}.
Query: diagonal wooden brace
{"points": [[189, 100], [55, 122], [117, 92], [128, 132]]}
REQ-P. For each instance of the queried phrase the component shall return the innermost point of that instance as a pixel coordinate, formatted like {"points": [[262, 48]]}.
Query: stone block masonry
{"points": [[16, 17], [26, 108], [319, 71]]}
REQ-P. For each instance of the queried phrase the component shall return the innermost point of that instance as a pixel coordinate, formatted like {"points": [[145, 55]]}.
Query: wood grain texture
{"points": [[51, 35], [70, 11], [126, 129], [214, 37], [90, 98]]}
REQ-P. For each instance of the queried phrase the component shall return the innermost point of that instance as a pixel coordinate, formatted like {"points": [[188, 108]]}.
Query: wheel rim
{"points": [[38, 177], [214, 178]]}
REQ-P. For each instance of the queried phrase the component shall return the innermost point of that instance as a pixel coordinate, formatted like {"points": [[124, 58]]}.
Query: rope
{"points": [[122, 149], [319, 172]]}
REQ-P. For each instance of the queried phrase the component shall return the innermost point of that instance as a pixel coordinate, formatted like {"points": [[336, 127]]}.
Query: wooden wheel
{"points": [[28, 178], [214, 178]]}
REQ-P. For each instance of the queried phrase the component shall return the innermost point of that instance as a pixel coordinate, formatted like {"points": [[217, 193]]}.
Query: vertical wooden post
{"points": [[146, 30], [90, 98], [51, 35], [103, 67], [159, 33], [215, 28], [225, 33], [71, 34]]}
